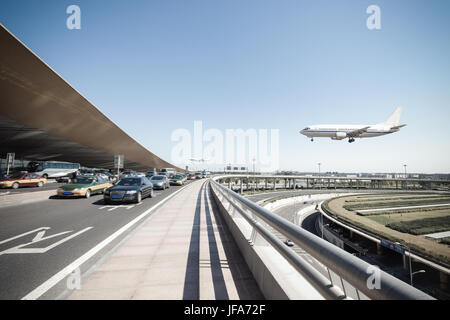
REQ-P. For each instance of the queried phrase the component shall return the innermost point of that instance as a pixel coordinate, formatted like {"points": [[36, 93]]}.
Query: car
{"points": [[63, 179], [87, 173], [160, 182], [22, 179], [84, 186], [150, 174], [107, 175], [129, 189], [178, 179], [191, 176], [198, 175], [128, 173], [163, 174], [169, 171]]}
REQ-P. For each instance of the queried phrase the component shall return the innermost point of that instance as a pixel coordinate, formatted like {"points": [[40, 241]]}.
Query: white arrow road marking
{"points": [[112, 207], [39, 237], [24, 234]]}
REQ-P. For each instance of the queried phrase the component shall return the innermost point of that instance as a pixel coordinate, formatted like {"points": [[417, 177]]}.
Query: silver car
{"points": [[160, 182]]}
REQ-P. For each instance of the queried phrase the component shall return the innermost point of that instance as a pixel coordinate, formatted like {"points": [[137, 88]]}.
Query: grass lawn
{"points": [[395, 225]]}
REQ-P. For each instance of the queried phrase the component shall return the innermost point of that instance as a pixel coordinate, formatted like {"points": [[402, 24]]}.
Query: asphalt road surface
{"points": [[45, 187], [29, 256]]}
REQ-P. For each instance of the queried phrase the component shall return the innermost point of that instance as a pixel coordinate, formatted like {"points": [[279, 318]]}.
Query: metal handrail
{"points": [[319, 282], [354, 270]]}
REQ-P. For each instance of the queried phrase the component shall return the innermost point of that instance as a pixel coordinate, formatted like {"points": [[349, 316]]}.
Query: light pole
{"points": [[320, 180], [419, 271], [321, 214], [410, 265], [405, 170], [254, 171]]}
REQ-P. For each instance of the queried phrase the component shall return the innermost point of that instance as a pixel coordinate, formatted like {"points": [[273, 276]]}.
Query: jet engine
{"points": [[339, 136]]}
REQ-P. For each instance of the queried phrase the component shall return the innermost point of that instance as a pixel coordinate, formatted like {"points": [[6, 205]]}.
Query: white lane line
{"points": [[47, 285]]}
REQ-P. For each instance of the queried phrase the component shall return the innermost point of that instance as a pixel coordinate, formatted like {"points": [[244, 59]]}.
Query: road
{"points": [[45, 187], [80, 224]]}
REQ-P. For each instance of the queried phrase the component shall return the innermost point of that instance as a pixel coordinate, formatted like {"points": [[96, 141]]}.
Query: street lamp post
{"points": [[320, 181], [410, 265], [406, 176], [419, 271]]}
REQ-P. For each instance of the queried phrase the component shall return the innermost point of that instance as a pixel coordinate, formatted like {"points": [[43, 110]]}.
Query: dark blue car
{"points": [[131, 189]]}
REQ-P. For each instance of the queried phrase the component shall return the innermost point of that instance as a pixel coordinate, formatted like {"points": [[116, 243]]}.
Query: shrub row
{"points": [[422, 226]]}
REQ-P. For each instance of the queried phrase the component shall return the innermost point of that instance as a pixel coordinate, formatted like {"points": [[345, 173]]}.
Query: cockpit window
{"points": [[307, 128]]}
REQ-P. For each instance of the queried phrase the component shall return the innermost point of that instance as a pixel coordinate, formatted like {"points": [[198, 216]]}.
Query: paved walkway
{"points": [[182, 252]]}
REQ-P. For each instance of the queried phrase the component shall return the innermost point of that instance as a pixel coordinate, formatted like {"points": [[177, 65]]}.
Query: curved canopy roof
{"points": [[43, 118]]}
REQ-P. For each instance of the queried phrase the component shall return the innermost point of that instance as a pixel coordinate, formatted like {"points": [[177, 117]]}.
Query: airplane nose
{"points": [[302, 131]]}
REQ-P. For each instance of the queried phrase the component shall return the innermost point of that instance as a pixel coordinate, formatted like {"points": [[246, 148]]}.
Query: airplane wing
{"points": [[398, 127], [356, 133]]}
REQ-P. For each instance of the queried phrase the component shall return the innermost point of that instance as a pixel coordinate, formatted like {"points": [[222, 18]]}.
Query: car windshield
{"points": [[129, 182], [84, 180], [157, 178]]}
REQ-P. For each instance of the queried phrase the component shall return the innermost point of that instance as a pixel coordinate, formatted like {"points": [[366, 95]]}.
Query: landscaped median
{"points": [[399, 217]]}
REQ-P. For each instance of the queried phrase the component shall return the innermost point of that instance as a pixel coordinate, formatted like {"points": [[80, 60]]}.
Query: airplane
{"points": [[339, 132], [199, 159]]}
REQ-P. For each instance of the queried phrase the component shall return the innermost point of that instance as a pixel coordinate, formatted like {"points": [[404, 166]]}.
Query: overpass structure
{"points": [[42, 117], [247, 182]]}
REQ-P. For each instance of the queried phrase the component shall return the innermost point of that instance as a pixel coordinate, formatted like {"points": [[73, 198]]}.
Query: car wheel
{"points": [[139, 197], [40, 184], [88, 193], [45, 176], [15, 185]]}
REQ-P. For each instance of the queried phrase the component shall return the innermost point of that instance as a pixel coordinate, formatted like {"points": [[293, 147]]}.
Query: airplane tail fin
{"points": [[393, 119]]}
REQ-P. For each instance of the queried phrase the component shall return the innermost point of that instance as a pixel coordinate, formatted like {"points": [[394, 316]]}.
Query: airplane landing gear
{"points": [[312, 139], [351, 140]]}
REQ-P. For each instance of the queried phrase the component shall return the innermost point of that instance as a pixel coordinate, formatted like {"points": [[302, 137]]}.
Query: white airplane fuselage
{"points": [[339, 132], [334, 131]]}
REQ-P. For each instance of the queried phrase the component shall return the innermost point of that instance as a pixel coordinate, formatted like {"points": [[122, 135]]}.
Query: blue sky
{"points": [[155, 66]]}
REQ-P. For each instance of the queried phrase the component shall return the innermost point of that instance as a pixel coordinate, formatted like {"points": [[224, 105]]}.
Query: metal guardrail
{"points": [[352, 269]]}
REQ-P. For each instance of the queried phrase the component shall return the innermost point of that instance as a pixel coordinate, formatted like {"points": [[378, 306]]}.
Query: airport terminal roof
{"points": [[43, 118]]}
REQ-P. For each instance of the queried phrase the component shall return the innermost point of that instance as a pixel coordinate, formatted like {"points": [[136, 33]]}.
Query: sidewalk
{"points": [[182, 252]]}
